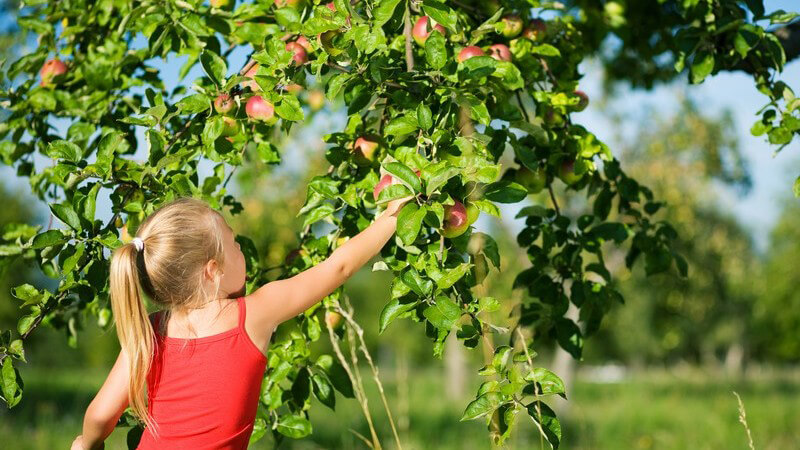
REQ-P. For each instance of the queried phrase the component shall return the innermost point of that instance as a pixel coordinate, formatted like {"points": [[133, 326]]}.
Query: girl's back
{"points": [[203, 392]]}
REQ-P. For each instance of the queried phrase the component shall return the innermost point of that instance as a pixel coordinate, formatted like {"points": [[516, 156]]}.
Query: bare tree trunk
{"points": [[734, 359], [455, 368]]}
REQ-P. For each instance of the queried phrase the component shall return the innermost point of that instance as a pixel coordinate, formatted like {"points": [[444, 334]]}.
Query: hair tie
{"points": [[138, 243]]}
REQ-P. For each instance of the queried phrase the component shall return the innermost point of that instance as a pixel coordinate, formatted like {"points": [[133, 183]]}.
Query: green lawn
{"points": [[652, 410]]}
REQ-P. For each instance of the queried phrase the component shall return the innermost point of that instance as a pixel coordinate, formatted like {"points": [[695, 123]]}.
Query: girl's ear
{"points": [[210, 269]]}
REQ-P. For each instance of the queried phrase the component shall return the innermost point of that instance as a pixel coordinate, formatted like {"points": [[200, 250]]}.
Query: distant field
{"points": [[651, 410]]}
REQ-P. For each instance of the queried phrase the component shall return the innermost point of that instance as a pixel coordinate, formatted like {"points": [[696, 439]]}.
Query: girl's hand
{"points": [[393, 207]]}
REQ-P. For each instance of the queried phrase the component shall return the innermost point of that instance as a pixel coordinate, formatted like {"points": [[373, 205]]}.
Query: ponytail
{"points": [[134, 329]]}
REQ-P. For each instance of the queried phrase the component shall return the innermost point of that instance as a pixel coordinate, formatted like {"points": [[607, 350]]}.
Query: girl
{"points": [[203, 357]]}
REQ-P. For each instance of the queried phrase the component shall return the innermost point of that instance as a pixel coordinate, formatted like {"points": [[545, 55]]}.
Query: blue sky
{"points": [[772, 175]]}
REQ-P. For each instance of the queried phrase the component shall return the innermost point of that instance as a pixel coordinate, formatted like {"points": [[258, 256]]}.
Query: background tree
{"points": [[512, 72]]}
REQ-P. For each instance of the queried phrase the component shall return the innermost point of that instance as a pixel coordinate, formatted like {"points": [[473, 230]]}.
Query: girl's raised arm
{"points": [[280, 300]]}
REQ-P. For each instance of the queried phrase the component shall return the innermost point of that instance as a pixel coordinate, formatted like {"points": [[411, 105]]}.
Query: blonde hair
{"points": [[179, 239]]}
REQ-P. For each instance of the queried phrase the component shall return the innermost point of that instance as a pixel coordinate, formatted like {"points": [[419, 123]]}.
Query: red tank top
{"points": [[204, 394]]}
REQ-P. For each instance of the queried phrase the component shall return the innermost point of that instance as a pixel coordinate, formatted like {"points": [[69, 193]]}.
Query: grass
{"points": [[649, 410]]}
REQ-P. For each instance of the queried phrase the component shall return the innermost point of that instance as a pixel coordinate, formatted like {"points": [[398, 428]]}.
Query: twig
{"points": [[354, 359], [524, 112], [553, 198], [535, 391], [358, 388], [360, 333], [743, 420], [407, 33]]}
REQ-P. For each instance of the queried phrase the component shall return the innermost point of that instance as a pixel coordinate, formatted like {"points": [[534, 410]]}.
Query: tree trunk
{"points": [[455, 368]]}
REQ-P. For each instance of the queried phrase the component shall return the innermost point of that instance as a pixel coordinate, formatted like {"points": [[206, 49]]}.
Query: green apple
{"points": [[566, 172], [534, 181]]}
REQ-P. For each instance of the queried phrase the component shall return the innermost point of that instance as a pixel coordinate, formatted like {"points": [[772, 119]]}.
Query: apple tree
{"points": [[436, 92]]}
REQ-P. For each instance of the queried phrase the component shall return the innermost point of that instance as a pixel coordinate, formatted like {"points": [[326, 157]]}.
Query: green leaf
{"points": [[294, 427], [384, 11], [12, 392], [289, 108], [393, 310], [392, 192], [48, 238], [436, 50], [439, 178], [193, 104], [545, 50], [477, 109], [405, 174], [424, 116], [409, 222], [482, 405], [212, 130], [62, 149], [318, 213], [16, 349], [411, 278], [548, 383], [443, 313], [505, 191], [452, 276], [702, 66], [401, 125], [214, 66], [25, 323], [479, 66], [441, 13], [29, 294], [67, 215], [546, 417], [323, 390]]}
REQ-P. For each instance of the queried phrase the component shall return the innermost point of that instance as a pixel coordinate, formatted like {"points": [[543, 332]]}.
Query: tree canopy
{"points": [[436, 93]]}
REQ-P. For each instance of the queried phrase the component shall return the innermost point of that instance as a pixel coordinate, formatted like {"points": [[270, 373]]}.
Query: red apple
{"points": [[251, 73], [259, 109], [224, 104], [51, 69], [298, 53], [420, 32], [302, 40], [385, 181], [469, 52], [365, 150], [534, 181], [536, 30], [511, 25], [316, 99], [500, 52], [584, 101], [333, 320], [456, 221], [566, 172], [230, 126]]}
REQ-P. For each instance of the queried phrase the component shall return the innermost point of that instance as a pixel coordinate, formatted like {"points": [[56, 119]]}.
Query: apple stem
{"points": [[407, 33]]}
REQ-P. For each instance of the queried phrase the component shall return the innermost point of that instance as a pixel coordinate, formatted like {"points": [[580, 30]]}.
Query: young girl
{"points": [[202, 358]]}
